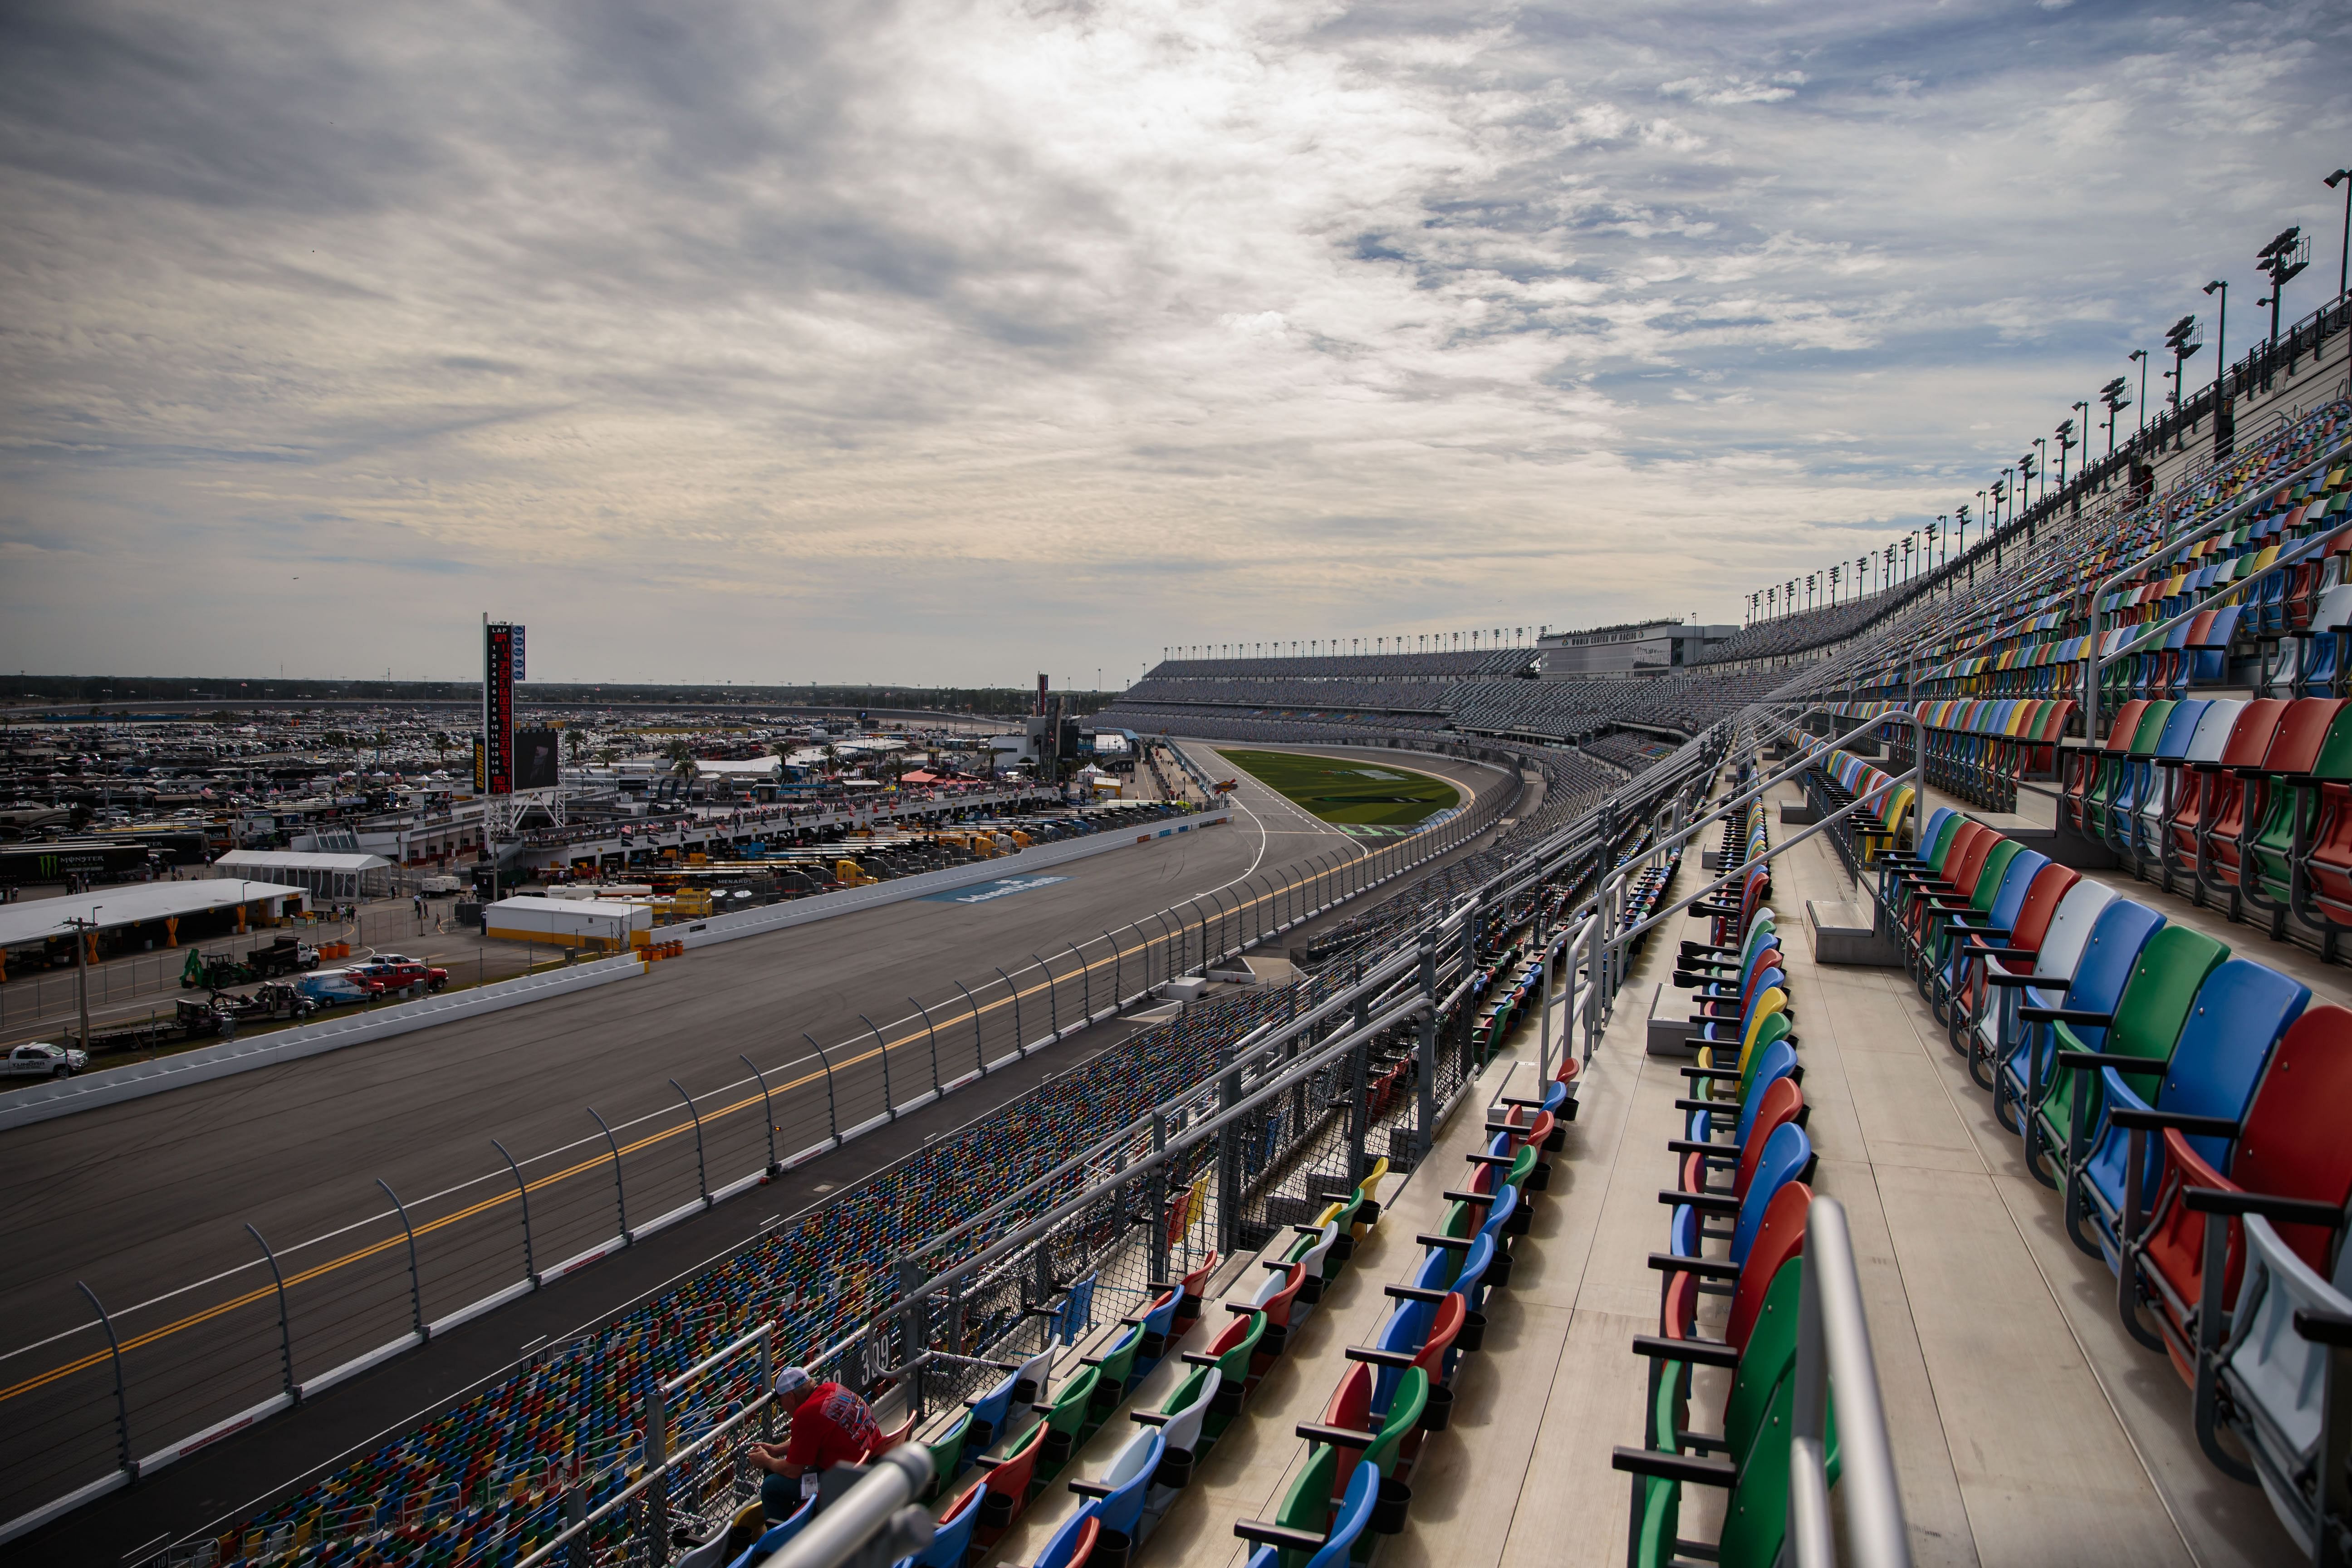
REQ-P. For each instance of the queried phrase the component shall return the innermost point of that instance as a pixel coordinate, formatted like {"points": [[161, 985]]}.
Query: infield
{"points": [[1348, 793]]}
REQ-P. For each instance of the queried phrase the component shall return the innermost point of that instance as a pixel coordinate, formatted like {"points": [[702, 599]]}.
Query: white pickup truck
{"points": [[43, 1060]]}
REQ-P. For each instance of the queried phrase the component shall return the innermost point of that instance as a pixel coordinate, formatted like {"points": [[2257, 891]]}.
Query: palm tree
{"points": [[441, 746], [577, 741], [682, 760]]}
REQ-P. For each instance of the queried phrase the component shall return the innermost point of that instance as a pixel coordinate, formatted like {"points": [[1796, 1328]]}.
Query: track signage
{"points": [[988, 892]]}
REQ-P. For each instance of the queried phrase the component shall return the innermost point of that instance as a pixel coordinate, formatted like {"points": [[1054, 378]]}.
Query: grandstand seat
{"points": [[1328, 1548], [1120, 1494], [951, 1537], [2273, 822], [2240, 1013], [2141, 1023], [2094, 942], [1229, 1356], [1011, 1481], [1076, 1543], [2277, 1382], [1750, 1458], [1025, 1384], [776, 1536], [2222, 811]]}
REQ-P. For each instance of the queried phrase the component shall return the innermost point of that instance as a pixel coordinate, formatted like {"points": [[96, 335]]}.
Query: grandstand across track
{"points": [[177, 1187]]}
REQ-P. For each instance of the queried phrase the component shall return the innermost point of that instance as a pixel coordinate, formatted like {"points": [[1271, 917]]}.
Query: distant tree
{"points": [[576, 741]]}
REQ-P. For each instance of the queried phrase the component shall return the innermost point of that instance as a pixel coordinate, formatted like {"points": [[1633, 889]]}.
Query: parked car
{"points": [[391, 971], [44, 1060], [334, 987]]}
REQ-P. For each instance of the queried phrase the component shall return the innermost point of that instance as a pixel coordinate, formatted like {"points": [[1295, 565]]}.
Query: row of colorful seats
{"points": [[1145, 1474], [2186, 1104], [1736, 1230], [1353, 1488]]}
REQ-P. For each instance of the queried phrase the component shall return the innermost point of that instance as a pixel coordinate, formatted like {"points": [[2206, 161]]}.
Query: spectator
{"points": [[829, 1425]]}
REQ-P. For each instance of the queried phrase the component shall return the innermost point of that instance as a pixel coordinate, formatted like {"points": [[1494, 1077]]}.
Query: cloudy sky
{"points": [[954, 340]]}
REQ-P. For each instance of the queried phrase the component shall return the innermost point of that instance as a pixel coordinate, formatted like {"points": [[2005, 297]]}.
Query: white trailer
{"points": [[600, 924]]}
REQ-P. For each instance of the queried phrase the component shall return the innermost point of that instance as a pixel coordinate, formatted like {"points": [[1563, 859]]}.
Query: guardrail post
{"points": [[934, 1036], [575, 1514], [416, 1285], [1118, 972], [529, 1267], [122, 1402], [979, 1051], [1053, 996], [620, 1193], [1086, 981], [1167, 969], [767, 1114], [285, 1328], [832, 1107], [702, 1170], [882, 1047], [1014, 992]]}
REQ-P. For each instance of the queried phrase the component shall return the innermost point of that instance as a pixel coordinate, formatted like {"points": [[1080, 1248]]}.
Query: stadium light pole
{"points": [[2141, 355], [2084, 408], [2344, 259], [2221, 341], [2281, 260], [2041, 457]]}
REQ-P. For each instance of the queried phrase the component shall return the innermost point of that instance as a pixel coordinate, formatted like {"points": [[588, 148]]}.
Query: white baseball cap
{"points": [[793, 1379]]}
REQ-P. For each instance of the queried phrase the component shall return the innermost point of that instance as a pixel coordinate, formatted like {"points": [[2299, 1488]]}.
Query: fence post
{"points": [[979, 1051], [1086, 981], [575, 1514], [620, 1193], [1166, 968], [702, 1170], [416, 1284], [832, 1110], [1229, 1154], [1159, 1197], [1014, 991], [934, 1036], [1426, 1106], [1359, 1112], [285, 1329], [767, 1113], [655, 1541], [889, 1100], [529, 1267], [122, 1402], [1118, 972]]}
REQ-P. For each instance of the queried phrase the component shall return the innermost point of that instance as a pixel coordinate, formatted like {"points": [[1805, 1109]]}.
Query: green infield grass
{"points": [[1348, 793]]}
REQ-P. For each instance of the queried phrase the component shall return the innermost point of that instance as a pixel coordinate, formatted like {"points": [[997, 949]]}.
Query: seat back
{"points": [[2241, 1011], [1780, 1102], [2293, 1140], [2112, 948], [2166, 973], [2273, 1374], [1780, 1238], [1182, 1427], [1786, 1156], [2214, 727], [2070, 928]]}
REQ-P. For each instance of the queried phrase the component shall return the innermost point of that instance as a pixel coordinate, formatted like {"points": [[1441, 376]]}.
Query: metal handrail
{"points": [[1835, 1363]]}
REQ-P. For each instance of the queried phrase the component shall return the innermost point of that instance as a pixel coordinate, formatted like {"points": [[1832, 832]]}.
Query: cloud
{"points": [[960, 338]]}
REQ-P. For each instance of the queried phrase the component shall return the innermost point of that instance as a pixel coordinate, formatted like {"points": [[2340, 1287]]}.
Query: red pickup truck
{"points": [[393, 972]]}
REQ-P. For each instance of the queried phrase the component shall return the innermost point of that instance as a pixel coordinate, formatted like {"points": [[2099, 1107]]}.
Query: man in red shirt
{"points": [[830, 1425]]}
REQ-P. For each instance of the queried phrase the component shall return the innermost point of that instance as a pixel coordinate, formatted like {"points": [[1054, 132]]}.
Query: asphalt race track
{"points": [[148, 1201]]}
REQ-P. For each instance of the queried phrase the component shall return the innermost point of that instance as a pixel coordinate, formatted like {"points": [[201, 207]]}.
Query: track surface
{"points": [[148, 1198]]}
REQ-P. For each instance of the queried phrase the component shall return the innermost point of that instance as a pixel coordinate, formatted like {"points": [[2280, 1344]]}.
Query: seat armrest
{"points": [[1470, 1197], [1707, 1202], [1090, 1489], [1415, 1293], [2270, 1205], [1265, 1534], [1685, 1467], [2039, 983], [1148, 1418], [1243, 1309], [1698, 1352], [1704, 1267], [1711, 1072], [1503, 1160], [1399, 1359], [1724, 1152], [2082, 1016], [1452, 1243], [2129, 1116], [1338, 1436], [2322, 1327], [1979, 949], [1201, 1358]]}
